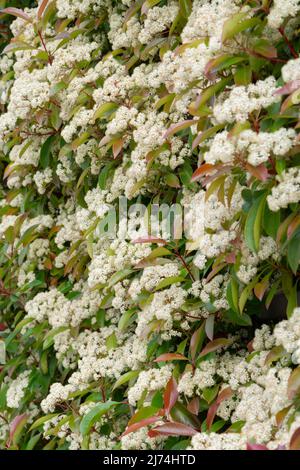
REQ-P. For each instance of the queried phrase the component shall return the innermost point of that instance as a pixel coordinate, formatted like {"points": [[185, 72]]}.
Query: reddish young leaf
{"points": [[117, 147], [288, 88], [295, 440], [215, 345], [197, 340], [179, 127], [150, 239], [294, 383], [209, 327], [256, 447], [263, 48], [175, 429], [260, 289], [16, 424], [203, 170], [170, 357], [230, 258], [193, 406], [215, 271], [211, 414], [293, 226], [42, 7], [141, 424], [224, 395], [260, 172], [16, 12], [281, 415], [170, 395]]}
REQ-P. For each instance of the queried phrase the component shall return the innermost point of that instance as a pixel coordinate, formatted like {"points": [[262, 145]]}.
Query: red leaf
{"points": [[215, 270], [230, 258], [224, 395], [193, 406], [2, 326], [203, 170], [209, 327], [260, 289], [150, 239], [170, 395], [197, 140], [295, 440], [215, 345], [179, 126], [141, 424], [16, 423], [42, 7], [222, 170], [256, 447], [294, 384], [211, 414], [260, 172], [288, 88], [170, 357], [197, 340], [117, 147], [175, 429], [152, 433], [17, 12], [293, 226]]}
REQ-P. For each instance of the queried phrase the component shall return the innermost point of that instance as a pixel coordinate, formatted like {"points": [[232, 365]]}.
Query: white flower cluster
{"points": [[243, 100], [17, 389], [255, 147], [280, 10], [287, 191]]}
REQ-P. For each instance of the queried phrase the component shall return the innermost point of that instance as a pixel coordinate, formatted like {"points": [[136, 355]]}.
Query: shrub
{"points": [[130, 338]]}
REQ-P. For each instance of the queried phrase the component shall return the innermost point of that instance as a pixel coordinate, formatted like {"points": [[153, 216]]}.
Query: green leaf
{"points": [[185, 8], [143, 413], [253, 223], [242, 75], [246, 293], [236, 24], [292, 298], [275, 354], [94, 415], [46, 151], [181, 414], [127, 318], [126, 378], [294, 252], [111, 342], [271, 222], [42, 420], [232, 294], [172, 181], [49, 338], [105, 110], [168, 281]]}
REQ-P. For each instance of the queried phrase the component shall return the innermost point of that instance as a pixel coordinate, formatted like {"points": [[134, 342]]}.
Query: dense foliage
{"points": [[142, 341]]}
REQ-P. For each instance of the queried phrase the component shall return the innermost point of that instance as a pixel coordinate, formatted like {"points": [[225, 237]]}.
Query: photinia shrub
{"points": [[150, 225]]}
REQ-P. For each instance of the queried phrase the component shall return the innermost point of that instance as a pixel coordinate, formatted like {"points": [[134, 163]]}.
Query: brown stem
{"points": [[288, 43], [45, 47], [178, 255]]}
